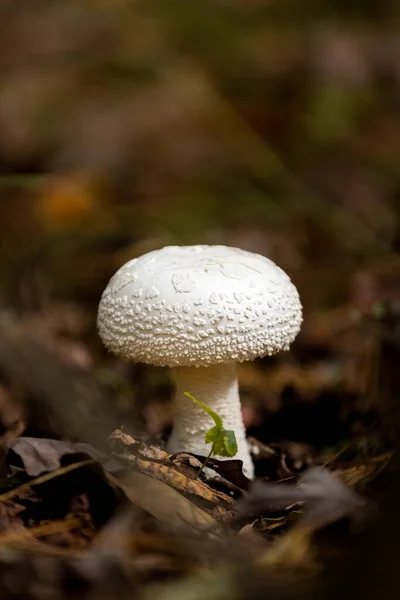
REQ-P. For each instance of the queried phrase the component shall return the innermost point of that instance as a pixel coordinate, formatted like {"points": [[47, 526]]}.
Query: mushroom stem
{"points": [[217, 386]]}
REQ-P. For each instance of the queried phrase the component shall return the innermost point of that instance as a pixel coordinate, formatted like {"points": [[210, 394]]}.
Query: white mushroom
{"points": [[200, 310]]}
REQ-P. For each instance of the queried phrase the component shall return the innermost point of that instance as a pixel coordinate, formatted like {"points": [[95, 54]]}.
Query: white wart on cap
{"points": [[198, 306]]}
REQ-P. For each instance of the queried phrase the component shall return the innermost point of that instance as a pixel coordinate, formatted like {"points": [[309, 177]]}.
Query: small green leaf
{"points": [[225, 444], [215, 417], [230, 442], [223, 441], [212, 434]]}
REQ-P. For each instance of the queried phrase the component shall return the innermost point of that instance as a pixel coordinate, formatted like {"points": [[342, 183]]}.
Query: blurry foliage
{"points": [[126, 125], [273, 126]]}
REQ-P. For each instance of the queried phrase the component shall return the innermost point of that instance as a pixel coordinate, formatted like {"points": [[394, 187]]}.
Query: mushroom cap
{"points": [[198, 306]]}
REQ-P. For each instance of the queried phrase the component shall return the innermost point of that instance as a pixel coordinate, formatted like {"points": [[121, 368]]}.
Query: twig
{"points": [[21, 489]]}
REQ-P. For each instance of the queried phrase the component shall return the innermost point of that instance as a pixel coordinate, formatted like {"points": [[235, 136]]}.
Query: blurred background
{"points": [[272, 126]]}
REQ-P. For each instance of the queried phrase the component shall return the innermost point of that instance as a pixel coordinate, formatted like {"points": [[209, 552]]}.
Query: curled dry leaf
{"points": [[230, 470], [183, 459], [179, 481], [171, 469], [153, 452], [120, 439], [41, 455]]}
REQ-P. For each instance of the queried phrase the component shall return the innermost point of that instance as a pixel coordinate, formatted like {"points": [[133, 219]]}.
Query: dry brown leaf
{"points": [[162, 501], [153, 452], [42, 455], [119, 437], [160, 467], [186, 460], [177, 480]]}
